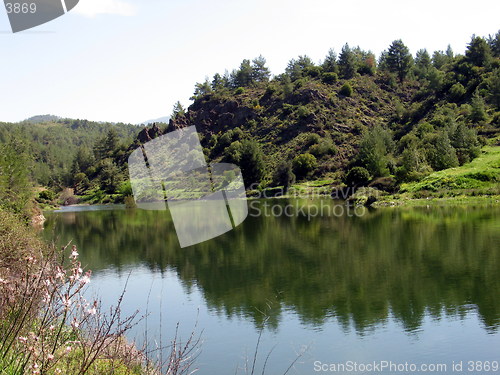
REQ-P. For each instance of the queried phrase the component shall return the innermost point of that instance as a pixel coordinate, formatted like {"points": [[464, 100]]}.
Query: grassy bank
{"points": [[477, 182], [474, 183]]}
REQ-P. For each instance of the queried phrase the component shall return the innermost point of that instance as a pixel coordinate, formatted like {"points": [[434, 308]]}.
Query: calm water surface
{"points": [[417, 285]]}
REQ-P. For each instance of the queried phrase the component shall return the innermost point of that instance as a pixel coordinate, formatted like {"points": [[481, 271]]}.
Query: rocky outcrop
{"points": [[147, 134]]}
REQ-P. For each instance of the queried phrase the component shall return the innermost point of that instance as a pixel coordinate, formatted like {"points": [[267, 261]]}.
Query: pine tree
{"points": [[178, 110], [260, 73], [399, 59], [478, 111], [330, 64], [422, 63], [201, 89], [296, 68], [347, 62], [217, 82], [494, 42], [243, 76], [478, 52]]}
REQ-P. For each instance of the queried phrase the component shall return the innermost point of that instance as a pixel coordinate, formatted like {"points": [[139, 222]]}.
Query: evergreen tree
{"points": [[201, 89], [478, 110], [347, 62], [105, 147], [83, 160], [178, 110], [449, 53], [110, 176], [494, 42], [296, 68], [478, 52], [260, 73], [243, 76], [423, 63], [439, 59], [217, 82], [399, 59], [330, 64], [413, 160]]}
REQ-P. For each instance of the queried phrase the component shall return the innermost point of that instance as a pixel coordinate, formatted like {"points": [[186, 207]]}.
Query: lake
{"points": [[391, 287]]}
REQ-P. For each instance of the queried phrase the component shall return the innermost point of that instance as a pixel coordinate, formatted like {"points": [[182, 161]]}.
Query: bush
{"points": [[324, 147], [304, 164], [312, 71], [46, 196], [239, 91], [346, 90], [303, 112], [357, 176], [329, 77], [312, 139]]}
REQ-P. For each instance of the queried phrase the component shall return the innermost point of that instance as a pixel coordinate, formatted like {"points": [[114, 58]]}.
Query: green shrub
{"points": [[346, 90], [324, 147], [46, 195], [312, 139], [329, 77], [357, 176], [239, 91], [304, 164], [303, 112]]}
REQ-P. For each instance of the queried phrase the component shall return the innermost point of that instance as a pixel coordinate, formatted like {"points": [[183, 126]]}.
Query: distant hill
{"points": [[42, 118], [164, 119]]}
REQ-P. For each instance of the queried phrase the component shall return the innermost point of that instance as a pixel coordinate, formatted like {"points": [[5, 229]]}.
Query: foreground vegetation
{"points": [[47, 326]]}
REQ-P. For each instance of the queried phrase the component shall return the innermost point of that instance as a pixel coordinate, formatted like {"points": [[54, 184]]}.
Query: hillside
{"points": [[51, 146], [401, 118]]}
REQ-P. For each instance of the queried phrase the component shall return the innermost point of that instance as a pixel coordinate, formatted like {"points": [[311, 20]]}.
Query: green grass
{"points": [[479, 177]]}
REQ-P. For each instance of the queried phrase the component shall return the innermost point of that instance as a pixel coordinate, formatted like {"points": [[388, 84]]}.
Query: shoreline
{"points": [[388, 201]]}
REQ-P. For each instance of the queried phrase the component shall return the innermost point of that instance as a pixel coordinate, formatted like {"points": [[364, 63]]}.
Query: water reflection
{"points": [[405, 264]]}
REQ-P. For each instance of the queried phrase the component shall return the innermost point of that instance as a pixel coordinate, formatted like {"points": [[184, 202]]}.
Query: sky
{"points": [[131, 60]]}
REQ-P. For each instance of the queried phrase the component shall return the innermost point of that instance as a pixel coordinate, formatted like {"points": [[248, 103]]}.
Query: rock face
{"points": [[147, 134], [212, 116]]}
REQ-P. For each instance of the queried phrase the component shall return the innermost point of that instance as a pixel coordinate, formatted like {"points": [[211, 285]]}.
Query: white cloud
{"points": [[92, 8]]}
